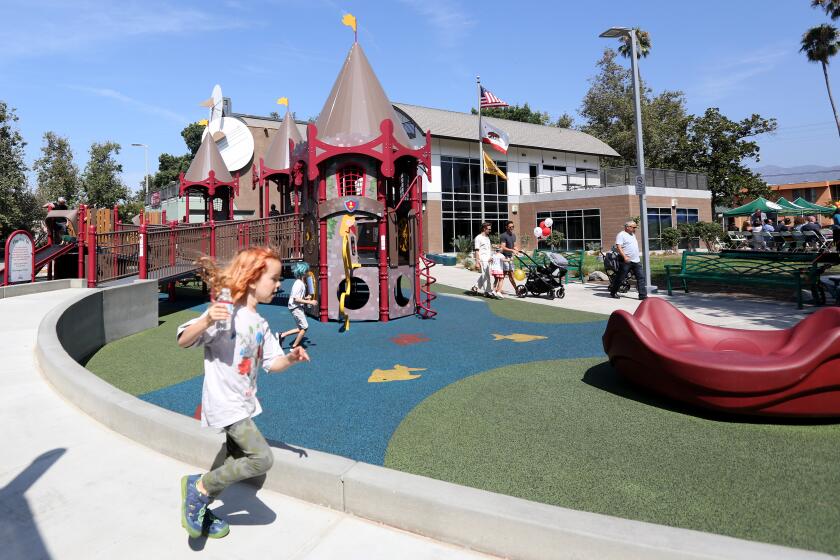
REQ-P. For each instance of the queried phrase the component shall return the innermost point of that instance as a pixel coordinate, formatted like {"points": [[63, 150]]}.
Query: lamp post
{"points": [[613, 33], [146, 153]]}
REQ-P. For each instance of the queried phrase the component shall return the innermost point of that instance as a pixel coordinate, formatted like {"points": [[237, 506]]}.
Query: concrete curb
{"points": [[39, 287], [481, 520]]}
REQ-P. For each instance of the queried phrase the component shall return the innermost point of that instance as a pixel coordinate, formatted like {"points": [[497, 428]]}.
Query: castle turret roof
{"points": [[208, 158]]}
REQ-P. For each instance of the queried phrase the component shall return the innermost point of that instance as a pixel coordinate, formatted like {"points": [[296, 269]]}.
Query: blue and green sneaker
{"points": [[195, 517]]}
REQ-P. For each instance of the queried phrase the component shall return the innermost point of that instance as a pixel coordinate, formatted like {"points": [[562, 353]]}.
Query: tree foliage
{"points": [[101, 180], [56, 173], [820, 44], [565, 121], [717, 146], [830, 7], [192, 137], [642, 44], [170, 166], [670, 237], [517, 113], [609, 114], [18, 207]]}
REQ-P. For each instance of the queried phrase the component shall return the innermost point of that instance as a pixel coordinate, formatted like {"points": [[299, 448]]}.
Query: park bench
{"points": [[770, 269], [575, 259]]}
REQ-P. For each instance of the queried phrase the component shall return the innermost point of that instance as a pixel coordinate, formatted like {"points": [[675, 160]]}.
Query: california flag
{"points": [[496, 137]]}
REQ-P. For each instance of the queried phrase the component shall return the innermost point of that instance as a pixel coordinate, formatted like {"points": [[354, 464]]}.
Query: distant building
{"points": [[818, 192]]}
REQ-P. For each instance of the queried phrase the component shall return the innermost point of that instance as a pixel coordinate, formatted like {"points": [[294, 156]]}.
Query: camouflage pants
{"points": [[248, 455]]}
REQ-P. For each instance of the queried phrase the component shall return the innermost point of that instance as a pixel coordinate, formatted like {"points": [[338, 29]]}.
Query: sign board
{"points": [[640, 185], [20, 258], [156, 198]]}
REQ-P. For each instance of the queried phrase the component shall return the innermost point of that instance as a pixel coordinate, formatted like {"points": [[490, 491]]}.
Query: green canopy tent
{"points": [[759, 203], [814, 208], [791, 209]]}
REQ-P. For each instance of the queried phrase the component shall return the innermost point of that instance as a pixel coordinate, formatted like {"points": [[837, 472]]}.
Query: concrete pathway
{"points": [[736, 311], [72, 489]]}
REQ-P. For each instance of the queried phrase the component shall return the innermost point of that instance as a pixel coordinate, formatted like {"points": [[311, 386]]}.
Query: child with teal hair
{"points": [[297, 299]]}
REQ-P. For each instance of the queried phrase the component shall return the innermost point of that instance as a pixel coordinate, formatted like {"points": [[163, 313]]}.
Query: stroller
{"points": [[543, 279], [612, 263]]}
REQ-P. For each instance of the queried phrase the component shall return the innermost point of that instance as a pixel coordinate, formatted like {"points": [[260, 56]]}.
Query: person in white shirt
{"points": [[297, 299], [628, 248], [233, 357], [497, 269], [483, 251]]}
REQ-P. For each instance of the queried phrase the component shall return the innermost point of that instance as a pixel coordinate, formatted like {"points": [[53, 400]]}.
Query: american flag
{"points": [[490, 100]]}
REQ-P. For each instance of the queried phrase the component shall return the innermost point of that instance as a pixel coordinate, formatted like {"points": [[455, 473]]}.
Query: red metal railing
{"points": [[117, 255]]}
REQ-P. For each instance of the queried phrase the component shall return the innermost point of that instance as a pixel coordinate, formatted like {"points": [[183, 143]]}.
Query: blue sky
{"points": [[130, 71]]}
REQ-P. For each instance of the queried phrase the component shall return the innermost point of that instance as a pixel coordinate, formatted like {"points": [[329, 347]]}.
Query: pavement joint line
{"points": [[574, 528]]}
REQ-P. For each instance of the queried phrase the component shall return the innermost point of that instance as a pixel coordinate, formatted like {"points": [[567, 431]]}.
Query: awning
{"points": [[791, 209], [814, 208], [759, 203]]}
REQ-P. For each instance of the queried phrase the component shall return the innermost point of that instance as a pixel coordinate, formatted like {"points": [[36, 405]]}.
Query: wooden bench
{"points": [[575, 259], [745, 269]]}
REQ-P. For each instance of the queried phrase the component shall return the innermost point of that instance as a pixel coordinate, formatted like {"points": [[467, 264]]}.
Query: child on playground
{"points": [[297, 299], [232, 359], [497, 269]]}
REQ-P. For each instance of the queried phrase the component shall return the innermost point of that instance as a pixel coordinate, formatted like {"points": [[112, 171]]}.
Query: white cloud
{"points": [[447, 21], [728, 77], [137, 104], [44, 27]]}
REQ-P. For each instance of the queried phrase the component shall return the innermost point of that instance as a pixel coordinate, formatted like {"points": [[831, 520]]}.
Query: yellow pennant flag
{"points": [[491, 168], [203, 122], [283, 101], [349, 20]]}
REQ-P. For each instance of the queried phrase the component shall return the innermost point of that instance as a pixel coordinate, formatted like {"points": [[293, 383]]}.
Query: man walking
{"points": [[483, 251], [509, 250], [628, 248]]}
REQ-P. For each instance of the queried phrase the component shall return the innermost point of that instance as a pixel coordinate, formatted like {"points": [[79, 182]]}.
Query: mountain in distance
{"points": [[777, 175]]}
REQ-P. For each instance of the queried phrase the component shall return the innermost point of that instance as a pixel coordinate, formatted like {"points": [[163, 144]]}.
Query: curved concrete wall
{"points": [[484, 521]]}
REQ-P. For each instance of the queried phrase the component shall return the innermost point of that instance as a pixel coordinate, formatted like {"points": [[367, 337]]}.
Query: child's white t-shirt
{"points": [[298, 291], [232, 360], [496, 263]]}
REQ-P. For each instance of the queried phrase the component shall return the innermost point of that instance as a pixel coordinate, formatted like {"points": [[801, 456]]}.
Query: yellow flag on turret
{"points": [[491, 168], [203, 122], [283, 101], [349, 20]]}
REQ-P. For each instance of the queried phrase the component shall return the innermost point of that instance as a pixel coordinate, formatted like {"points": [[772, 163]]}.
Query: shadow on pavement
{"points": [[19, 535]]}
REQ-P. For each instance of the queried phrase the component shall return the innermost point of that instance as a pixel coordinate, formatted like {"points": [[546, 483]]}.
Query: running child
{"points": [[497, 269], [232, 359], [297, 299]]}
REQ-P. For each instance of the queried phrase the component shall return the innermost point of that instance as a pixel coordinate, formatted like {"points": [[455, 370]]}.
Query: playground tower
{"points": [[209, 176], [361, 181]]}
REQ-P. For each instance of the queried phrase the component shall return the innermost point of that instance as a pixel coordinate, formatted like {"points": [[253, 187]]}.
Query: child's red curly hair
{"points": [[246, 267]]}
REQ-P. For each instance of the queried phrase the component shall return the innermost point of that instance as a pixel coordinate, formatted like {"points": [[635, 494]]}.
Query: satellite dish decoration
{"points": [[232, 137]]}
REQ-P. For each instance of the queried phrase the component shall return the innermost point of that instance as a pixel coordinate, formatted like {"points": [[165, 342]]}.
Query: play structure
{"points": [[351, 198], [793, 372]]}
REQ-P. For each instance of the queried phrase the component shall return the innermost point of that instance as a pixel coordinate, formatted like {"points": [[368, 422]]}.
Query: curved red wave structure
{"points": [[792, 372], [424, 302]]}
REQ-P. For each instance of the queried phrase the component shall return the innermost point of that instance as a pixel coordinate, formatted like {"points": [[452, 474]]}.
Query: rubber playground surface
{"points": [[515, 397]]}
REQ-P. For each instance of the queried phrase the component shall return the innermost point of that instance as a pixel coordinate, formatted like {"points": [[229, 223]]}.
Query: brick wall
{"points": [[432, 230]]}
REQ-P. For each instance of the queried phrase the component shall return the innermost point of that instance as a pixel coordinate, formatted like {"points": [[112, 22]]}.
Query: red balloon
{"points": [[542, 225], [546, 231]]}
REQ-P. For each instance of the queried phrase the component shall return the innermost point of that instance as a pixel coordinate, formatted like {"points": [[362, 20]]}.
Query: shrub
{"points": [[670, 238], [709, 232], [555, 240]]}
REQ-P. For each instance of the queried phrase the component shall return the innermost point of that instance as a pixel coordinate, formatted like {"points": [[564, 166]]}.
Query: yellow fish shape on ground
{"points": [[399, 373], [519, 337]]}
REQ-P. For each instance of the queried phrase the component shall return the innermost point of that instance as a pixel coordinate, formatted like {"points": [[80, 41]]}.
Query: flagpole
{"points": [[480, 150]]}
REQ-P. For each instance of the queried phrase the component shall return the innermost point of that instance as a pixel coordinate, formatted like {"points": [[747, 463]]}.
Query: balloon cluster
{"points": [[544, 229]]}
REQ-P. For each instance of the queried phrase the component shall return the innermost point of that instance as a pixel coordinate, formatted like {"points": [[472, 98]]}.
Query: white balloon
{"points": [[537, 232], [548, 222]]}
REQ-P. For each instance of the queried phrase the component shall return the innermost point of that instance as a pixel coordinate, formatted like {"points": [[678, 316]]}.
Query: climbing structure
{"points": [[209, 176], [358, 162]]}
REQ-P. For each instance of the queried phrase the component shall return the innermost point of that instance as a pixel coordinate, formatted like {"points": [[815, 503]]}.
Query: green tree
{"points": [[516, 113], [710, 233], [642, 44], [819, 44], [101, 180], [56, 172], [18, 206], [670, 238], [609, 114], [565, 121], [718, 146], [169, 168], [192, 134], [555, 239], [831, 7]]}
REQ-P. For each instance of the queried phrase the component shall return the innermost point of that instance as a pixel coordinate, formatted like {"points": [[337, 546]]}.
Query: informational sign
{"points": [[20, 258], [156, 198], [640, 185]]}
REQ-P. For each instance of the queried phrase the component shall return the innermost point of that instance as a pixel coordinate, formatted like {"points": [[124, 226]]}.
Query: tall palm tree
{"points": [[819, 44], [831, 7], [642, 44]]}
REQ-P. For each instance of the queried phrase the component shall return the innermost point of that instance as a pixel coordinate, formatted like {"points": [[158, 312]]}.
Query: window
{"points": [[461, 199], [835, 193], [351, 181], [547, 167], [657, 220], [808, 194], [688, 216], [580, 228]]}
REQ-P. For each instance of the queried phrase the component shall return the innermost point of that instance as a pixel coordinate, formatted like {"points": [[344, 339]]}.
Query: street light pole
{"points": [[640, 148], [146, 154]]}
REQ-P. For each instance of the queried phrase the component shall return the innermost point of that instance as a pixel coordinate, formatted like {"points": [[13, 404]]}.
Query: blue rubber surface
{"points": [[329, 405]]}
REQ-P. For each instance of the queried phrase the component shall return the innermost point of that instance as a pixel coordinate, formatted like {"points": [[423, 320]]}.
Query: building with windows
{"points": [[823, 193], [551, 172]]}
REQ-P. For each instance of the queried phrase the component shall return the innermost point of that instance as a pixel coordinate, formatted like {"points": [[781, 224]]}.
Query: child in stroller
{"points": [[543, 279]]}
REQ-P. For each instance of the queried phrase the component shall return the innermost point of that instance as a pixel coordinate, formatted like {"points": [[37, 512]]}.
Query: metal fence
{"points": [[117, 255], [613, 177]]}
